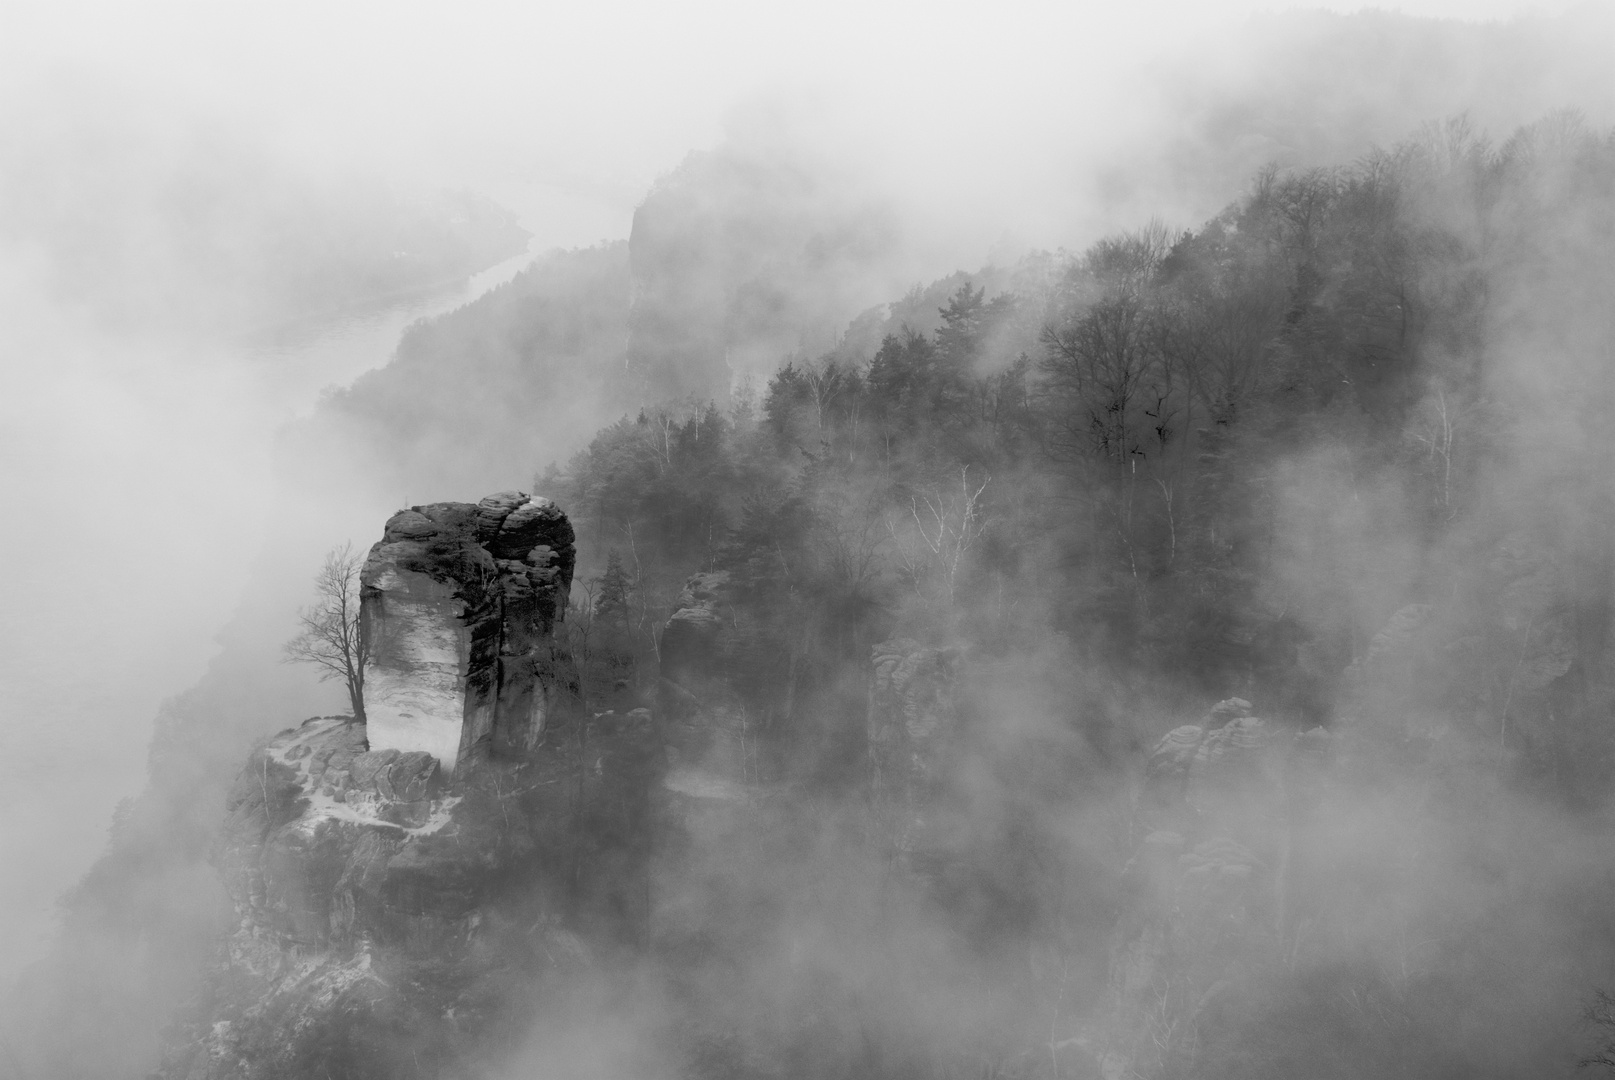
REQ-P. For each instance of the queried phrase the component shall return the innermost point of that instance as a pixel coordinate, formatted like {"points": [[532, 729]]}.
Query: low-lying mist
{"points": [[1356, 479]]}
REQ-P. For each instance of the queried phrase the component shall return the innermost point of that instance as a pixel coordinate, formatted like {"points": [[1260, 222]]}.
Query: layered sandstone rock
{"points": [[315, 825], [373, 905], [391, 921], [699, 641], [322, 852], [460, 604]]}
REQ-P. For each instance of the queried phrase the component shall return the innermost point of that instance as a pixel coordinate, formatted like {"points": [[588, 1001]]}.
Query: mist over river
{"points": [[137, 475]]}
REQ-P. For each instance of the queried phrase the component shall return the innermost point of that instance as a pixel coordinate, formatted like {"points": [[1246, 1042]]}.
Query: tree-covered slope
{"points": [[1338, 452]]}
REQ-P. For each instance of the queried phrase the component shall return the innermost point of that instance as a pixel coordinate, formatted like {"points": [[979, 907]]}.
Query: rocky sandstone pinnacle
{"points": [[460, 604]]}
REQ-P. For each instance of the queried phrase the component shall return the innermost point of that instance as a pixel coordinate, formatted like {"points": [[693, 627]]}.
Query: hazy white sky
{"points": [[567, 111]]}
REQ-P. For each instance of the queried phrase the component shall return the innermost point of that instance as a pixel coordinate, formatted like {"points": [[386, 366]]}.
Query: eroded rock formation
{"points": [[460, 604], [1210, 884], [394, 920], [711, 732], [346, 867]]}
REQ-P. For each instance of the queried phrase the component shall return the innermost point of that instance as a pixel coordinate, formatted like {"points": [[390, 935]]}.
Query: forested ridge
{"points": [[1341, 452], [1219, 458]]}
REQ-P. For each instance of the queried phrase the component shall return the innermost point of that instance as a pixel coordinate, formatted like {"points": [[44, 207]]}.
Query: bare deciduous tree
{"points": [[826, 382], [949, 528], [1435, 427], [331, 638]]}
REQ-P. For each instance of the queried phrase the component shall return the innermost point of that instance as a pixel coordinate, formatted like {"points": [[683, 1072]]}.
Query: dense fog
{"points": [[1121, 365]]}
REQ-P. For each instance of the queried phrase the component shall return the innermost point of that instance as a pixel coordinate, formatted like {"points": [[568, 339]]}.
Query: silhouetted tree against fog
{"points": [[332, 637]]}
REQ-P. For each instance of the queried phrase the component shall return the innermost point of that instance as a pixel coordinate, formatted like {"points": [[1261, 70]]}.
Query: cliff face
{"points": [[460, 604], [399, 918]]}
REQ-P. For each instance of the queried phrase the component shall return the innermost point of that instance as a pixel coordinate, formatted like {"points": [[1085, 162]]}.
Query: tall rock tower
{"points": [[460, 604], [390, 924]]}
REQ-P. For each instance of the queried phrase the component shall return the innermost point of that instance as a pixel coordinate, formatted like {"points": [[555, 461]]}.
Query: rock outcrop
{"points": [[1209, 885], [699, 641], [711, 733], [394, 920], [460, 604], [347, 868], [301, 810]]}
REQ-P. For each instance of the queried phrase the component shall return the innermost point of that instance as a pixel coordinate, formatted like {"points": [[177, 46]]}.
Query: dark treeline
{"points": [[1341, 452], [1137, 448]]}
